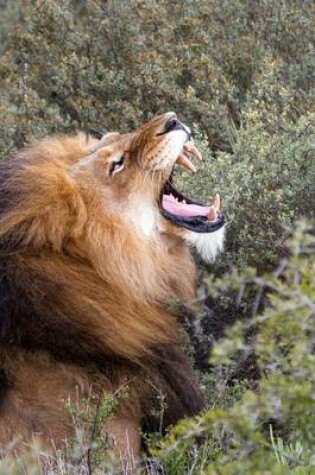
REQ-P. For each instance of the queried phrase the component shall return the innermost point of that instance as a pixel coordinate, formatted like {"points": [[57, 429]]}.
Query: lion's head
{"points": [[112, 201], [93, 245], [133, 173]]}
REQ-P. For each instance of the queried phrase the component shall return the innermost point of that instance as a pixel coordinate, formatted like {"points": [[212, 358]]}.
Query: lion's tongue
{"points": [[183, 209]]}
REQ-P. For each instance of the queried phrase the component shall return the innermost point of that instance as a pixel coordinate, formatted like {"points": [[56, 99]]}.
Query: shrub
{"points": [[267, 429], [266, 183]]}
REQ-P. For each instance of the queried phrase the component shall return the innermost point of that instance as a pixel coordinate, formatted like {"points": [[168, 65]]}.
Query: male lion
{"points": [[93, 246]]}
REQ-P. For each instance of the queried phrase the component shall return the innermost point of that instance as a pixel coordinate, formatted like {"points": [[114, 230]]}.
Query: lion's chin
{"points": [[207, 245]]}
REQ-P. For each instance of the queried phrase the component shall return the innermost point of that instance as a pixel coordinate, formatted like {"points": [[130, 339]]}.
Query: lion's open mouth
{"points": [[184, 212]]}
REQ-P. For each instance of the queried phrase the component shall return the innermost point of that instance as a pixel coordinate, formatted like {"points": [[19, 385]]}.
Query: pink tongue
{"points": [[182, 209]]}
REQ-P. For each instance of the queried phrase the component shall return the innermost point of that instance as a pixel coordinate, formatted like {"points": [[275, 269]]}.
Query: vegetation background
{"points": [[241, 73]]}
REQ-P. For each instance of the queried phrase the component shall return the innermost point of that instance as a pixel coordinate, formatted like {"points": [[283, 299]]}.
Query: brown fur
{"points": [[83, 291]]}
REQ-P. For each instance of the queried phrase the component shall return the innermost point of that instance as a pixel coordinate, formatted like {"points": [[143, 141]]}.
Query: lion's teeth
{"points": [[214, 209], [191, 148], [185, 163], [212, 214], [216, 202]]}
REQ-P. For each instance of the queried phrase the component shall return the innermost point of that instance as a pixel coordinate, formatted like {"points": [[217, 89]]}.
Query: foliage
{"points": [[266, 183], [267, 429], [88, 451]]}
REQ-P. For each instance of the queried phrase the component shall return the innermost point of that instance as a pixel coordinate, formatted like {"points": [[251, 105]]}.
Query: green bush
{"points": [[266, 183], [269, 427]]}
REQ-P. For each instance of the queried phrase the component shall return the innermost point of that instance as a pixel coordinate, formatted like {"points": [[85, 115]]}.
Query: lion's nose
{"points": [[174, 124]]}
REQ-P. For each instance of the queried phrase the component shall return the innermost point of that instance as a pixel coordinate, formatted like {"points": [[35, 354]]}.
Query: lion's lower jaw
{"points": [[208, 245]]}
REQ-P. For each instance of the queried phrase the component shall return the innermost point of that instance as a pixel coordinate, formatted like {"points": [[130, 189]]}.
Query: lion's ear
{"points": [[104, 153], [110, 138], [106, 140]]}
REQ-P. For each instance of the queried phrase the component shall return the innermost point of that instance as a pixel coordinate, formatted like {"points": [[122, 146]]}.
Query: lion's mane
{"points": [[82, 297]]}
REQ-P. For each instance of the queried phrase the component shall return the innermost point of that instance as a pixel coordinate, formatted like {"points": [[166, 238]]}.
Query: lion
{"points": [[94, 261]]}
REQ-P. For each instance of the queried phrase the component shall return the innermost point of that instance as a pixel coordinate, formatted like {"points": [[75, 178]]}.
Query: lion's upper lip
{"points": [[173, 124]]}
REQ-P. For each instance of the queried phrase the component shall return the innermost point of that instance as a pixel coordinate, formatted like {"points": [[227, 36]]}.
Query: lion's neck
{"points": [[141, 215], [148, 267]]}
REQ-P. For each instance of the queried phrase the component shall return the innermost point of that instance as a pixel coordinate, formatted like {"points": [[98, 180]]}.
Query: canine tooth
{"points": [[185, 163], [216, 202], [212, 214], [191, 148]]}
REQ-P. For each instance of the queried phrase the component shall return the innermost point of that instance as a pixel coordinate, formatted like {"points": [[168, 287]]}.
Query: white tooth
{"points": [[185, 202], [185, 163], [216, 202], [191, 148], [212, 214]]}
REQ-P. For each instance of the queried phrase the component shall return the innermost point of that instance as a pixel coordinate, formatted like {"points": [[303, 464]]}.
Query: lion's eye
{"points": [[117, 166]]}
